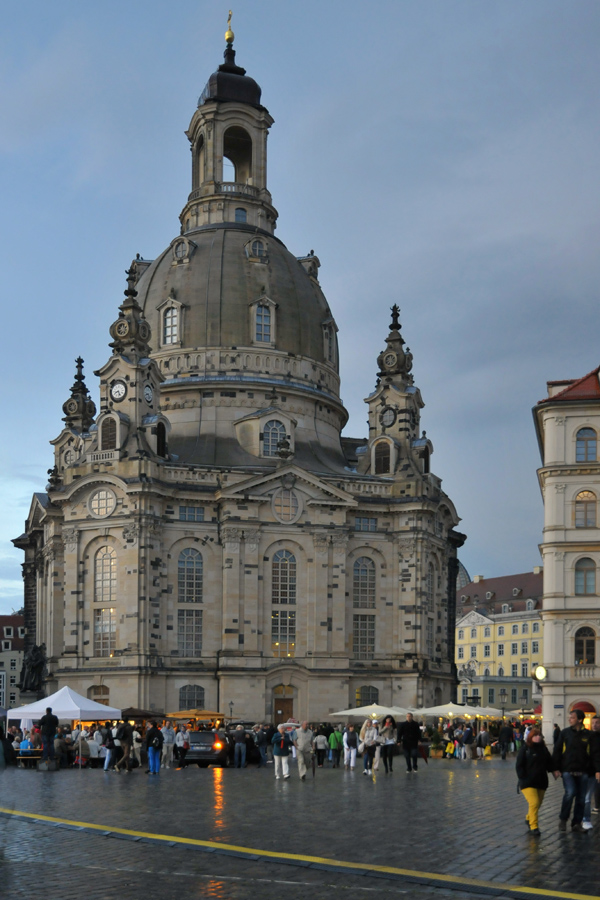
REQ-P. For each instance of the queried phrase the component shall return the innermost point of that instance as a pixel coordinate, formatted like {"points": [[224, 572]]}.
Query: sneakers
{"points": [[277, 777], [562, 825], [578, 828], [408, 771], [285, 776], [586, 824], [535, 832]]}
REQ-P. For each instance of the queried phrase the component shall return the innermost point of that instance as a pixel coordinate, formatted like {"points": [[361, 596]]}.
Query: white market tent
{"points": [[66, 704], [456, 711], [374, 711]]}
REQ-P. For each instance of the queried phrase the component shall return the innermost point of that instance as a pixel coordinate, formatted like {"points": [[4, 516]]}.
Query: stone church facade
{"points": [[207, 537]]}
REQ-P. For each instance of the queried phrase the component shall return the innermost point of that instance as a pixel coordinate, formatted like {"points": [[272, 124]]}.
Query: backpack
{"points": [[156, 742]]}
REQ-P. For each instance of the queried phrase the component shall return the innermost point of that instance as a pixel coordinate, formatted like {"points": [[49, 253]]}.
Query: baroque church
{"points": [[207, 537]]}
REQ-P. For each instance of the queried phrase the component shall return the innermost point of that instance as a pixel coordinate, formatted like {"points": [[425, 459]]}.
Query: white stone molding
{"points": [[251, 539], [231, 539], [70, 537], [560, 488]]}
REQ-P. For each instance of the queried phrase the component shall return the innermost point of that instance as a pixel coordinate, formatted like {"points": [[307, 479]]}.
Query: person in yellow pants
{"points": [[533, 764]]}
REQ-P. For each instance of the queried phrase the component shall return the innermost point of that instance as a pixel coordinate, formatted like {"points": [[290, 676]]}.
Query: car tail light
{"points": [[217, 746]]}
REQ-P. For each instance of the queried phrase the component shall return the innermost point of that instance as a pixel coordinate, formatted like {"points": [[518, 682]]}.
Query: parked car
{"points": [[210, 748]]}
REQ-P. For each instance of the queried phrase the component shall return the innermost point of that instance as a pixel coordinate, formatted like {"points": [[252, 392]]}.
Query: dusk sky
{"points": [[442, 154]]}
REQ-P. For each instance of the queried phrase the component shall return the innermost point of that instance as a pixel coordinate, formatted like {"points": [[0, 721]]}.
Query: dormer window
{"points": [[258, 248], [170, 332], [382, 458], [273, 433], [263, 324], [329, 342], [108, 435]]}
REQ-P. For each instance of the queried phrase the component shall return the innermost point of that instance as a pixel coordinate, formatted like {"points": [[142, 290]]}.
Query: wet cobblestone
{"points": [[454, 818]]}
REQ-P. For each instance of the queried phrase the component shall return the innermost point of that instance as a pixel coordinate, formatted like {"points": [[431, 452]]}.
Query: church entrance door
{"points": [[284, 710]]}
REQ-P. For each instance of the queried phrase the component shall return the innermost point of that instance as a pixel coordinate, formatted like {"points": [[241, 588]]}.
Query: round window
{"points": [[102, 503], [286, 505]]}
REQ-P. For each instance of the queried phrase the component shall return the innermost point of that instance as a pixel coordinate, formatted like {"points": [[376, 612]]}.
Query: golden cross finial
{"points": [[229, 35]]}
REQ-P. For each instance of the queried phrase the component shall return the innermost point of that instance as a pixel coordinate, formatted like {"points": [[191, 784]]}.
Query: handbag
{"points": [[361, 747], [186, 745]]}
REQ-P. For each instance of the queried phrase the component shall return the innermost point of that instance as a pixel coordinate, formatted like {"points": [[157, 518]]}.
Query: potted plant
{"points": [[436, 750]]}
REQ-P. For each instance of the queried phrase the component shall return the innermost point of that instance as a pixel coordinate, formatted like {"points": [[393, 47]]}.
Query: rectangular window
{"points": [[491, 696], [515, 629], [189, 632], [473, 652], [8, 632], [105, 631], [191, 514], [465, 695], [487, 650], [514, 649], [525, 695], [513, 695], [461, 652], [475, 693], [263, 324], [429, 638], [514, 670], [13, 680], [501, 631], [524, 668], [524, 647], [283, 633], [13, 664], [6, 645], [524, 628], [363, 636], [170, 323], [535, 646], [500, 649], [536, 628], [361, 523]]}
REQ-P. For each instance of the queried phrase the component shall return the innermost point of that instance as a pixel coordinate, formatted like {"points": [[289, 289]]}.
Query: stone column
{"points": [[232, 628]]}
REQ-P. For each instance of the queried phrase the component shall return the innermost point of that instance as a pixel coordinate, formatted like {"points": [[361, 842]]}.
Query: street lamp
{"points": [[231, 709], [503, 695]]}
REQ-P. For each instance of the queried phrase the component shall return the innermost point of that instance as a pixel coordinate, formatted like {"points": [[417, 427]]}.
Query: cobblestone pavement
{"points": [[460, 819]]}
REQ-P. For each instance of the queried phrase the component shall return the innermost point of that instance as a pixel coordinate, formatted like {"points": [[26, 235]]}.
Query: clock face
{"points": [[122, 328], [118, 391], [72, 406], [387, 417], [389, 360], [148, 394], [540, 673]]}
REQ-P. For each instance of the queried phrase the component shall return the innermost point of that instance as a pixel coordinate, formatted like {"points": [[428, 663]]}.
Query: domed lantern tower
{"points": [[210, 538]]}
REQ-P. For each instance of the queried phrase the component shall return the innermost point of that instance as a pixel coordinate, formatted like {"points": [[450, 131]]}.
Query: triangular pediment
{"points": [[289, 476], [40, 503], [474, 618]]}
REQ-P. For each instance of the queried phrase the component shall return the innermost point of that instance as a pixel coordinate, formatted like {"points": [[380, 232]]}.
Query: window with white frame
{"points": [[105, 631], [473, 632], [461, 634], [501, 672], [170, 325], [487, 631], [283, 633], [487, 650], [515, 629], [535, 647], [514, 649], [586, 445], [500, 649], [585, 510], [513, 695], [524, 647], [524, 669], [514, 669], [190, 574], [283, 578], [585, 576], [274, 432], [189, 632], [461, 652], [363, 636], [105, 575], [501, 631], [263, 324], [473, 652], [191, 514], [524, 628], [491, 695], [363, 523], [536, 627], [363, 582]]}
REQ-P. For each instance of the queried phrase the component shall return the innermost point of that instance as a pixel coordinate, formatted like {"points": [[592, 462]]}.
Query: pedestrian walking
{"points": [[239, 741], [168, 733], [593, 792], [483, 741], [321, 748], [505, 738], [350, 747], [303, 740], [409, 735], [48, 726], [336, 745], [572, 759], [534, 761], [369, 737], [125, 736], [182, 742], [260, 739], [154, 743], [282, 746], [388, 737]]}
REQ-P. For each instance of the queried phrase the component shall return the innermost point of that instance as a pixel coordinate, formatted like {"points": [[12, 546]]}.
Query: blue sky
{"points": [[442, 155]]}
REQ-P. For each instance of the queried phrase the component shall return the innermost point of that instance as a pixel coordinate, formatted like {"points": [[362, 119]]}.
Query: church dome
{"points": [[217, 275]]}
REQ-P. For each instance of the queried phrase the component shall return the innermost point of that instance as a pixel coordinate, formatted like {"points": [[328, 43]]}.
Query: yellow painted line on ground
{"points": [[275, 855]]}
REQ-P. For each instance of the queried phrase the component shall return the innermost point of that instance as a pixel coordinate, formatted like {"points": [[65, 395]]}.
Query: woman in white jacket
{"points": [[369, 736], [350, 747], [182, 741]]}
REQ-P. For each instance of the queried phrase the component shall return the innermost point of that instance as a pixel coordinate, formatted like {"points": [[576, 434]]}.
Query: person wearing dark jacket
{"points": [[505, 739], [533, 764], [572, 758], [409, 734], [48, 726], [8, 757], [154, 742]]}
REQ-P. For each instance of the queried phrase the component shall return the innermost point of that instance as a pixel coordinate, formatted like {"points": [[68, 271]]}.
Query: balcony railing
{"points": [[224, 187], [584, 671], [103, 455]]}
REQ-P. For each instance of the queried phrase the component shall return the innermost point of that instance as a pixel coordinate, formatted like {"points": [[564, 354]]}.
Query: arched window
{"points": [[366, 694], [430, 586], [189, 576], [530, 605], [171, 325], [585, 510], [161, 440], [283, 578], [585, 647], [273, 433], [585, 450], [100, 693], [501, 672], [487, 631], [241, 215], [108, 435], [263, 323], [382, 458], [363, 585], [473, 632], [486, 671], [191, 697], [461, 634], [585, 576], [105, 575]]}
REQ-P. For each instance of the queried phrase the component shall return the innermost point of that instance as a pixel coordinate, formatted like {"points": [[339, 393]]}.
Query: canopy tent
{"points": [[374, 711], [202, 714], [488, 712], [446, 710], [66, 704]]}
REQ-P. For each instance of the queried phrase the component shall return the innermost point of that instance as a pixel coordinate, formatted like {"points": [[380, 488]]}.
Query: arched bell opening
{"points": [[237, 155]]}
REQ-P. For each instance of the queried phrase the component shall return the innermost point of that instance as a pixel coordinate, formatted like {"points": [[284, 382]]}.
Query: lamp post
{"points": [[231, 709]]}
